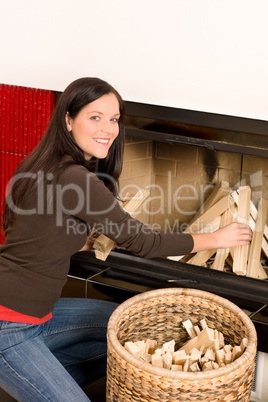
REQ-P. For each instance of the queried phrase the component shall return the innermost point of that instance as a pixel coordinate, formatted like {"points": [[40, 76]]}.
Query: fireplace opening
{"points": [[182, 177]]}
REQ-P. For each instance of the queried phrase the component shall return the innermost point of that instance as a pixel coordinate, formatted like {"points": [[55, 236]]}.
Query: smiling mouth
{"points": [[100, 141]]}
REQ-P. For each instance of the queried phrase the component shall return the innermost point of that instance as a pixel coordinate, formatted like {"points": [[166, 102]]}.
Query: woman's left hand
{"points": [[90, 242]]}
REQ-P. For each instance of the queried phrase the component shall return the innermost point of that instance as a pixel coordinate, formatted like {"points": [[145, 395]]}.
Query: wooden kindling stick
{"points": [[255, 269], [241, 252], [103, 245]]}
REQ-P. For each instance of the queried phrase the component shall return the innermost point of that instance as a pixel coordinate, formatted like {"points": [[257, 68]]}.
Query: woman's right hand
{"points": [[233, 235]]}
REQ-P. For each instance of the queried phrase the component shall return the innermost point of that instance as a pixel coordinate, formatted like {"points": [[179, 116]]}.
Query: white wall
{"points": [[206, 55]]}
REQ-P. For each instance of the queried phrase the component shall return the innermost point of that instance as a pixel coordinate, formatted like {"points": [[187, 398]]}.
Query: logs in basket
{"points": [[159, 314]]}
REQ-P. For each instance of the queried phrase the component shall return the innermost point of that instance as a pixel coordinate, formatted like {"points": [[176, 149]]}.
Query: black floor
{"points": [[97, 390]]}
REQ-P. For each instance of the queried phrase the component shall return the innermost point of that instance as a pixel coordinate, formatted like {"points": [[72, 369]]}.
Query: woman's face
{"points": [[96, 126]]}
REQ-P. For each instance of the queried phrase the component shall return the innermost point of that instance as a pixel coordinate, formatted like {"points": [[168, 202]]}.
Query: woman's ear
{"points": [[68, 122]]}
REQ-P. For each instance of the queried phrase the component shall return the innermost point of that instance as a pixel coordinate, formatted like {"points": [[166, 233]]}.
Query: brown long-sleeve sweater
{"points": [[34, 260]]}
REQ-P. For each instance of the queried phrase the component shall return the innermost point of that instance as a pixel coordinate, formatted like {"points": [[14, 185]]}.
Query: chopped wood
{"points": [[136, 201], [157, 361], [220, 356], [159, 351], [197, 329], [206, 338], [194, 357], [213, 213], [151, 345], [253, 218], [202, 361], [243, 344], [236, 352], [210, 366], [221, 340], [127, 198], [176, 367], [199, 353], [243, 260], [220, 190], [241, 252], [134, 349], [207, 366], [227, 348], [202, 349], [194, 367], [142, 345], [256, 243], [222, 253], [189, 328], [264, 243], [179, 354], [211, 226], [186, 365], [201, 257], [180, 359], [169, 346], [147, 357], [228, 357], [195, 351], [203, 323], [167, 360], [216, 340], [103, 245], [210, 354], [100, 255]]}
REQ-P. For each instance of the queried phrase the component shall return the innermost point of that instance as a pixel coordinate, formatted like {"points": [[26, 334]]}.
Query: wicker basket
{"points": [[158, 315]]}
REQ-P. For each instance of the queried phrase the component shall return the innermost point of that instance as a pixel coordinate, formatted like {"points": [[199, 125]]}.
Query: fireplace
{"points": [[180, 156]]}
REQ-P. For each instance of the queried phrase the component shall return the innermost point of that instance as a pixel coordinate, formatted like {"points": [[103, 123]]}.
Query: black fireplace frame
{"points": [[213, 131]]}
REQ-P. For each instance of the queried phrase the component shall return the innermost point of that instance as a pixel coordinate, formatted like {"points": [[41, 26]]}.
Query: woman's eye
{"points": [[95, 118], [115, 120]]}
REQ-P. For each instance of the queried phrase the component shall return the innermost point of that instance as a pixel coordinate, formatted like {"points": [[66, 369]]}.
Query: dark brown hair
{"points": [[49, 154]]}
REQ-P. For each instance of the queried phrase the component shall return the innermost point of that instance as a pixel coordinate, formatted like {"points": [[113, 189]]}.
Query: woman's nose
{"points": [[107, 126]]}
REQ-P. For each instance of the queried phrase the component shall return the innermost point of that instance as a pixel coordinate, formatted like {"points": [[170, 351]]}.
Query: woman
{"points": [[63, 189]]}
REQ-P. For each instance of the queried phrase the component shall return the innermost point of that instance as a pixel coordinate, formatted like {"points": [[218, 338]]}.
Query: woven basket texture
{"points": [[158, 315]]}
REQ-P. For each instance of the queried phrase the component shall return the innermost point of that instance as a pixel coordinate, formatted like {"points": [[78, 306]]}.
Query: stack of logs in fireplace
{"points": [[221, 208]]}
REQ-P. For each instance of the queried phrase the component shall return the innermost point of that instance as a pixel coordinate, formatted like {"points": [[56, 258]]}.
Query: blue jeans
{"points": [[54, 360]]}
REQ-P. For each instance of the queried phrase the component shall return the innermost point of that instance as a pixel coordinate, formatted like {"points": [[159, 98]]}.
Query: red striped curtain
{"points": [[24, 116]]}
